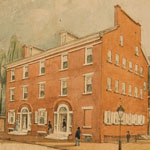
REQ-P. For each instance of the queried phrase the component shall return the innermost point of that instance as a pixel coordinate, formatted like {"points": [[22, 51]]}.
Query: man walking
{"points": [[128, 136], [77, 136], [49, 127]]}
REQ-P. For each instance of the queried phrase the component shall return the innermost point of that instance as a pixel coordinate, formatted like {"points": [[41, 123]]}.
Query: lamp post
{"points": [[120, 111]]}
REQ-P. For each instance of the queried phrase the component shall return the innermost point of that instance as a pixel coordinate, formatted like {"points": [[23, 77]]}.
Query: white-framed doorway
{"points": [[24, 119], [63, 119]]}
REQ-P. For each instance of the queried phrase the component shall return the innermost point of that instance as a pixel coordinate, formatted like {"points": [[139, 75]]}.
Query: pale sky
{"points": [[38, 22]]}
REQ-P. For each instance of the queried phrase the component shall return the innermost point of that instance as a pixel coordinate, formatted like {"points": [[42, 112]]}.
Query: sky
{"points": [[39, 22]]}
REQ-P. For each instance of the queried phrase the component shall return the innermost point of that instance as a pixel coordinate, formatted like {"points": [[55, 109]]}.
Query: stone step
{"points": [[57, 136]]}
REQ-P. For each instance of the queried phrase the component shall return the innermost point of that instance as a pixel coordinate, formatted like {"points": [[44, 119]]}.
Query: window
{"points": [[145, 86], [116, 86], [141, 93], [87, 117], [123, 88], [109, 84], [136, 92], [42, 67], [124, 63], [88, 55], [121, 40], [12, 94], [136, 51], [25, 72], [64, 87], [109, 56], [88, 83], [11, 117], [141, 71], [136, 68], [41, 89], [130, 66], [25, 92], [130, 90], [41, 117], [117, 60], [64, 61], [12, 75]]}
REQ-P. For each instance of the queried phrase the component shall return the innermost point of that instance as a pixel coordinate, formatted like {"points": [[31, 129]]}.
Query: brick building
{"points": [[81, 83]]}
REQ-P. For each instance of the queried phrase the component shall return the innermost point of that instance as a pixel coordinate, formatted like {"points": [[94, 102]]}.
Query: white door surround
{"points": [[63, 120], [24, 119]]}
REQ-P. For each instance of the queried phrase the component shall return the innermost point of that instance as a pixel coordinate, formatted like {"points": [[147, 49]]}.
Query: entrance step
{"points": [[58, 136], [18, 132]]}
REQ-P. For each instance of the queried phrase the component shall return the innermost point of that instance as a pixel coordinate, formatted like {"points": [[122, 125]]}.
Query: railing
{"points": [[115, 139]]}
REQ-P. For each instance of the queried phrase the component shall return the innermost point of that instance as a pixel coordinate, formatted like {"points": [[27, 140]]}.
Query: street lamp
{"points": [[120, 111]]}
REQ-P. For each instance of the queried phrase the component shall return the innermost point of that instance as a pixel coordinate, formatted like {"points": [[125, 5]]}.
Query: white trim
{"points": [[62, 79], [85, 54], [87, 107], [88, 74], [43, 82], [24, 71], [44, 132], [87, 135], [87, 127], [40, 66], [11, 88]]}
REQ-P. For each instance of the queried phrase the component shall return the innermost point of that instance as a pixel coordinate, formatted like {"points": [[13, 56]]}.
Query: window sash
{"points": [[109, 56], [12, 75], [12, 91], [64, 87], [130, 65], [42, 67], [88, 84], [89, 55], [117, 59], [116, 86], [123, 88], [121, 40], [136, 68], [108, 83], [130, 90], [136, 51], [136, 92], [124, 63], [42, 90]]}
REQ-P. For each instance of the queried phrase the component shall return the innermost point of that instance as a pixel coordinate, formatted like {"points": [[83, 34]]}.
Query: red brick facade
{"points": [[86, 108]]}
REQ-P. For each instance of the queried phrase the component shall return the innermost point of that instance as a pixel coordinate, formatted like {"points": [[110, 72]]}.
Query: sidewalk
{"points": [[69, 145]]}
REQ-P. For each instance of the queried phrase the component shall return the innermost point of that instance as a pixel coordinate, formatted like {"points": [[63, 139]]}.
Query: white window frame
{"points": [[61, 86], [40, 89], [23, 92], [117, 59], [42, 66], [63, 60], [145, 86], [86, 55], [136, 68], [141, 71], [24, 71], [107, 117], [109, 56], [121, 40], [12, 89], [109, 84], [88, 75], [130, 66], [130, 90], [117, 86], [41, 110], [137, 51], [9, 116], [124, 61], [123, 91], [136, 92], [12, 72], [141, 93]]}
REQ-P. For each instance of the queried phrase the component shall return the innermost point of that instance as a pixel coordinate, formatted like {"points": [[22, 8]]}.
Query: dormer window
{"points": [[42, 67]]}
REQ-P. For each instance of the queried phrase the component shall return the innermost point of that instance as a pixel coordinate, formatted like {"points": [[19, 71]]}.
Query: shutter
{"points": [[116, 118], [8, 117], [45, 117], [139, 120], [130, 119], [133, 119], [13, 117], [127, 118], [36, 117], [112, 118], [143, 122], [109, 117], [123, 119], [30, 121], [105, 117]]}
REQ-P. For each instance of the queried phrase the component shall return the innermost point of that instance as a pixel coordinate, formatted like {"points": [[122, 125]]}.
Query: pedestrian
{"points": [[128, 136], [77, 137], [49, 127], [64, 125]]}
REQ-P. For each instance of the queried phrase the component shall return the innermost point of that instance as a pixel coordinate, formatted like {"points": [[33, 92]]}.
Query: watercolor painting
{"points": [[74, 75]]}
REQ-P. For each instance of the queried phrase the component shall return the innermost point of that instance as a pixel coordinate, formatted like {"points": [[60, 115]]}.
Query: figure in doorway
{"points": [[77, 137], [16, 126], [49, 127], [128, 137], [64, 125]]}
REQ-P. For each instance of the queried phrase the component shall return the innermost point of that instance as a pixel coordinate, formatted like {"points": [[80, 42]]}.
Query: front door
{"points": [[24, 121], [62, 122]]}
